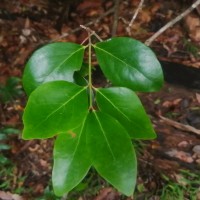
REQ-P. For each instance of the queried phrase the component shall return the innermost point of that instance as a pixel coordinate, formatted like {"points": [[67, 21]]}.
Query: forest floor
{"points": [[169, 166]]}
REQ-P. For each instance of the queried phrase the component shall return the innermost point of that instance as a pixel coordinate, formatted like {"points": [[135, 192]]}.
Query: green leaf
{"points": [[4, 160], [54, 108], [129, 63], [3, 136], [71, 160], [79, 80], [124, 105], [111, 151], [84, 69], [11, 90], [56, 61], [10, 131], [4, 147]]}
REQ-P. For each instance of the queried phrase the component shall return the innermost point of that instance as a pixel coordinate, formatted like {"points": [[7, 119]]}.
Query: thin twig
{"points": [[172, 22], [86, 25], [90, 33], [116, 16], [128, 29], [180, 126]]}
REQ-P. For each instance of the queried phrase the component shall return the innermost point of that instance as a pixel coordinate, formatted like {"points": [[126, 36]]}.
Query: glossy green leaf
{"points": [[54, 108], [84, 69], [129, 63], [71, 160], [79, 80], [124, 105], [4, 147], [111, 151], [56, 61]]}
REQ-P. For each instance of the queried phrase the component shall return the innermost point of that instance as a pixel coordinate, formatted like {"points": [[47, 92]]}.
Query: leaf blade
{"points": [[116, 164], [124, 105], [49, 115], [71, 161], [129, 63], [56, 61]]}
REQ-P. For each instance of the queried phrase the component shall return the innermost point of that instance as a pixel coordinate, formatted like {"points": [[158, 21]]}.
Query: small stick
{"points": [[128, 29], [180, 126], [172, 22], [91, 32], [116, 16]]}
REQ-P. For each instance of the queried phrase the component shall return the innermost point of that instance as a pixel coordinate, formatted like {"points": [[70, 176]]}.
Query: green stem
{"points": [[90, 73]]}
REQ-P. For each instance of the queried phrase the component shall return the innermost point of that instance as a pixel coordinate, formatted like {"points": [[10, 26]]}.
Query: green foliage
{"points": [[129, 63], [191, 47], [56, 61], [10, 90], [94, 126], [50, 106], [4, 135], [186, 187], [130, 115], [7, 176], [48, 195]]}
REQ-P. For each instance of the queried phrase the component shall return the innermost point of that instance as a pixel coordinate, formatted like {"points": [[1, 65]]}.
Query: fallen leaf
{"points": [[9, 196], [107, 194], [198, 97], [184, 156], [183, 144], [192, 23], [196, 149]]}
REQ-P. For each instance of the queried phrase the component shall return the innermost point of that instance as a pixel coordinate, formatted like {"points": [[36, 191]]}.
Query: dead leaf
{"points": [[191, 22], [88, 5], [198, 97], [9, 196], [195, 34], [167, 104], [183, 144], [184, 156], [107, 194], [196, 149], [180, 179]]}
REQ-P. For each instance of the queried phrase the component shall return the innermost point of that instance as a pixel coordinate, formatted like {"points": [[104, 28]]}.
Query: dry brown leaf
{"points": [[184, 156], [144, 16], [192, 21], [155, 7], [167, 104], [195, 34], [9, 196], [88, 5], [198, 97], [183, 144], [107, 194]]}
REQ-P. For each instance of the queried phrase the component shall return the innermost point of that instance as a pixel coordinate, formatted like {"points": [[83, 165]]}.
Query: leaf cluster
{"points": [[93, 126]]}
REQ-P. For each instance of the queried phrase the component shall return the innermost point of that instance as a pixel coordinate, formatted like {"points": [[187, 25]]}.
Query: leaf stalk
{"points": [[90, 72]]}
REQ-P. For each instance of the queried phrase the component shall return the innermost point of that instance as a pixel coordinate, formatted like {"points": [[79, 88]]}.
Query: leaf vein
{"points": [[48, 116], [106, 139], [115, 106], [122, 61], [61, 63]]}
